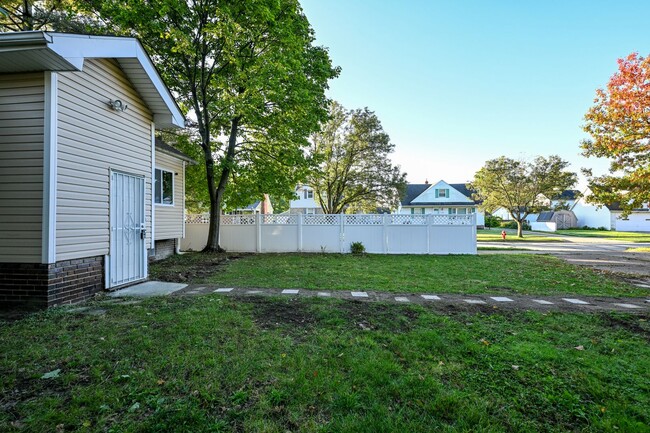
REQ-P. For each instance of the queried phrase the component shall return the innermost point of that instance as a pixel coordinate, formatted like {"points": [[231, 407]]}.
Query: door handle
{"points": [[143, 233]]}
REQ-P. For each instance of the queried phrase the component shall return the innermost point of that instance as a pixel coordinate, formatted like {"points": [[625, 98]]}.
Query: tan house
{"points": [[169, 200], [78, 164]]}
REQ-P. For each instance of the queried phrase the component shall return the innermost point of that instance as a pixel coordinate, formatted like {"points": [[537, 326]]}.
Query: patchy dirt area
{"points": [[175, 270], [629, 266]]}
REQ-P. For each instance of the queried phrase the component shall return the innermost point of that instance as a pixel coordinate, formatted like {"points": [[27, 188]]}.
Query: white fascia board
{"points": [[50, 149], [76, 48]]}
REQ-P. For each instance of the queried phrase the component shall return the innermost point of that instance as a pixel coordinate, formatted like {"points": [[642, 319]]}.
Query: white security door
{"points": [[128, 231]]}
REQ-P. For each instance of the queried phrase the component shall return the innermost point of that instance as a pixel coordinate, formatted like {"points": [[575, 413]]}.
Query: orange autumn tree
{"points": [[619, 124]]}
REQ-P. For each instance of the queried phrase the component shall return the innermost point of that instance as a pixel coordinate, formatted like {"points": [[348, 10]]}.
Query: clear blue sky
{"points": [[458, 82]]}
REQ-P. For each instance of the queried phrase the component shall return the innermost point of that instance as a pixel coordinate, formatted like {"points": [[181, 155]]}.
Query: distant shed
{"points": [[551, 221]]}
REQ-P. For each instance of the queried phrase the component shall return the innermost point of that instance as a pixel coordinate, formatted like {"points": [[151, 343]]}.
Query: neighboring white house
{"points": [[592, 215], [306, 202], [77, 162], [440, 198], [263, 207]]}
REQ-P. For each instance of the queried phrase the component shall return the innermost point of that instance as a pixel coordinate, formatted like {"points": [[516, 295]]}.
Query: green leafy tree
{"points": [[249, 76], [355, 172], [619, 124], [521, 187], [24, 15]]}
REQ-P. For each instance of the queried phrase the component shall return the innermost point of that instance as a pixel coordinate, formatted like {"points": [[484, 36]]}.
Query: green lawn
{"points": [[211, 364], [613, 235], [499, 274], [493, 235]]}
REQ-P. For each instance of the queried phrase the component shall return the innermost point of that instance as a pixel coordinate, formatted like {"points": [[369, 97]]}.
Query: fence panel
{"points": [[380, 234]]}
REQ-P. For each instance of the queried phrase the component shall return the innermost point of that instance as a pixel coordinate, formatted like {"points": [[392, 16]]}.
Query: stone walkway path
{"points": [[571, 303]]}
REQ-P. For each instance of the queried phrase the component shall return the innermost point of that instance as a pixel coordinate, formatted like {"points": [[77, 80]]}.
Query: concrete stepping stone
{"points": [[575, 301], [474, 301], [324, 294], [402, 299], [543, 302], [501, 299], [77, 310], [431, 297], [130, 303], [96, 312], [223, 290], [254, 292], [290, 291], [148, 289], [628, 306], [359, 294]]}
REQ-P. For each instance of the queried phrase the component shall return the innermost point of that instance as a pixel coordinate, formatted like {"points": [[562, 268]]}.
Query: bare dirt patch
{"points": [[269, 315], [183, 271], [636, 325], [628, 266], [372, 316]]}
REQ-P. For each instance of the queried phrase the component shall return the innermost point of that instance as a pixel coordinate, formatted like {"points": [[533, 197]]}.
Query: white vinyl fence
{"points": [[380, 234]]}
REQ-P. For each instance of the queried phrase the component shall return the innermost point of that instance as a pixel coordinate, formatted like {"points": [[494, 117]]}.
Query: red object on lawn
{"points": [[503, 234]]}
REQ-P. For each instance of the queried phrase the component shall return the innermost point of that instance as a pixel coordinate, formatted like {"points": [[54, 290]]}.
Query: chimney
{"points": [[426, 181]]}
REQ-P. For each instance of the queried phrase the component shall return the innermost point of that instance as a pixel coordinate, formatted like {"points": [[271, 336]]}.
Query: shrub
{"points": [[357, 248], [513, 225], [492, 221]]}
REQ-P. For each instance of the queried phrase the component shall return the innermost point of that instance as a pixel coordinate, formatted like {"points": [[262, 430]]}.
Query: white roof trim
{"points": [[74, 49]]}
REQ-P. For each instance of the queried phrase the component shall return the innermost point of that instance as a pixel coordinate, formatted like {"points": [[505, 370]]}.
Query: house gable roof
{"points": [[163, 147], [568, 194], [61, 52], [418, 194]]}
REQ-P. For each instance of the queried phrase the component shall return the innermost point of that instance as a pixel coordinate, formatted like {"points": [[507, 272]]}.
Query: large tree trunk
{"points": [[217, 192], [520, 228]]}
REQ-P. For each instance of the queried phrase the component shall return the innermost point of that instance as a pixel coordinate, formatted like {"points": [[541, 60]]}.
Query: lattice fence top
{"points": [[363, 219], [197, 218], [280, 219], [326, 219], [408, 219], [321, 219]]}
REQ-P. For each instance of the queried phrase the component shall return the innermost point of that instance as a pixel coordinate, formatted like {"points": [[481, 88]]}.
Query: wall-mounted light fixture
{"points": [[117, 105]]}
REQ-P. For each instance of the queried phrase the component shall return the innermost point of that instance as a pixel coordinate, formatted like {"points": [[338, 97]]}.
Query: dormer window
{"points": [[442, 193]]}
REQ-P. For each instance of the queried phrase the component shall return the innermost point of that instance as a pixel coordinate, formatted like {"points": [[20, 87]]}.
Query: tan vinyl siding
{"points": [[93, 140], [21, 167], [169, 219]]}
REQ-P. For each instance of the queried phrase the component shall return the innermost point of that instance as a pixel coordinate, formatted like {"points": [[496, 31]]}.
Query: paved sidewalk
{"points": [[568, 303]]}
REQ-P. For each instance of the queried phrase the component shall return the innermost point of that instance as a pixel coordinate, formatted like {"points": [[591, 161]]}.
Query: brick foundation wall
{"points": [[41, 286], [163, 249]]}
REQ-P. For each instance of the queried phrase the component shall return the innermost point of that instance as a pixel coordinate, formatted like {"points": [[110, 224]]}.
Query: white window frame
{"points": [[163, 170], [442, 193], [308, 194]]}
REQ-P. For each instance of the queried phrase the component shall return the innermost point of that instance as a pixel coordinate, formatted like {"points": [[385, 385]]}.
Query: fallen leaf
{"points": [[579, 347], [161, 382], [441, 363], [60, 428], [515, 367], [484, 341], [135, 406], [52, 374], [602, 409]]}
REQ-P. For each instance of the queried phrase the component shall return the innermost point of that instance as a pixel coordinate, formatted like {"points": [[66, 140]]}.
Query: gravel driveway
{"points": [[601, 254]]}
